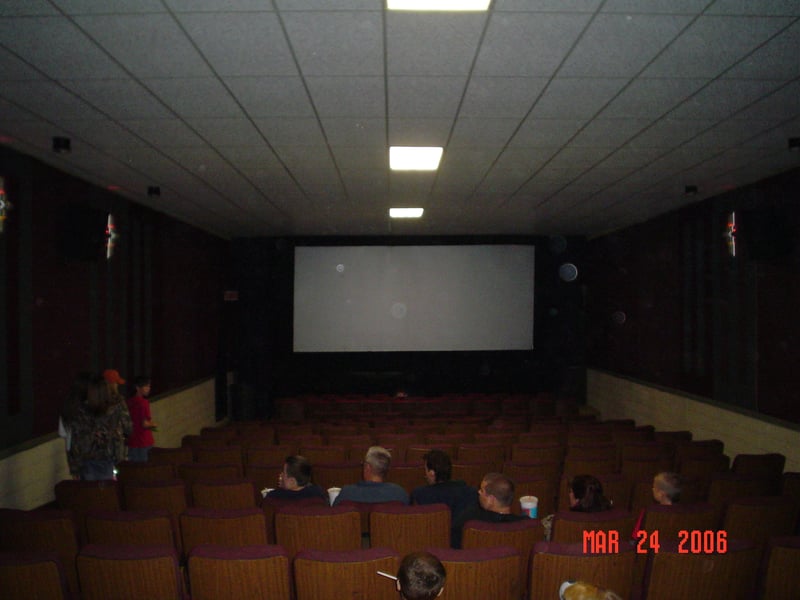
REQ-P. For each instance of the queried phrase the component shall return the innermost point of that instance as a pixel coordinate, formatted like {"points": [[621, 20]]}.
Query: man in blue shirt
{"points": [[373, 487]]}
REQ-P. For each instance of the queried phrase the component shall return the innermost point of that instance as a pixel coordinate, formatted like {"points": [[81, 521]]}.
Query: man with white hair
{"points": [[373, 487]]}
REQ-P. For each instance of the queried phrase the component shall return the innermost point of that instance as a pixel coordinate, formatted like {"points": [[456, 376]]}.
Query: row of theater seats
{"points": [[489, 566]]}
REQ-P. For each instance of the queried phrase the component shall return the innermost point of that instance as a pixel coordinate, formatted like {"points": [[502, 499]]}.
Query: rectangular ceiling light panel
{"points": [[414, 158], [406, 213], [441, 5]]}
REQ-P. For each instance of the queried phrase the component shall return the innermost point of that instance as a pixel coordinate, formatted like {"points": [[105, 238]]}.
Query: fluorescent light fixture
{"points": [[406, 213], [429, 5], [414, 158]]}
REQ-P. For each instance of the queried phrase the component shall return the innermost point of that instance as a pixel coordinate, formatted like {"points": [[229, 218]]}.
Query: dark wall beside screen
{"points": [[697, 319], [66, 309], [263, 274]]}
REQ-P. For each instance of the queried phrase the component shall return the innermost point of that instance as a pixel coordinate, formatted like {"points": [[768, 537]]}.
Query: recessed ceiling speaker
{"points": [[568, 272]]}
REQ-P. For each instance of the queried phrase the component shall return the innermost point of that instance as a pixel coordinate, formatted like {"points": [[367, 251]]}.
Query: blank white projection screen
{"points": [[413, 298]]}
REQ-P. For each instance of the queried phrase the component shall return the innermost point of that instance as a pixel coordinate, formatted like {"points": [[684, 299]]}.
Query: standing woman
{"points": [[95, 433], [69, 413]]}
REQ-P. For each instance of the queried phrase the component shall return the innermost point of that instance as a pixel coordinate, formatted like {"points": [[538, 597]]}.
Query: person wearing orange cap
{"points": [[113, 381]]}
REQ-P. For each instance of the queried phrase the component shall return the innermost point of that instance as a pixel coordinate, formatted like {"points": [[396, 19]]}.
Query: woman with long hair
{"points": [[69, 411], [586, 495], [96, 432]]}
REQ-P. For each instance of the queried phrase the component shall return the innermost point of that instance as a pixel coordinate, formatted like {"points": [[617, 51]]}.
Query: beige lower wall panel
{"points": [[28, 476], [619, 398]]}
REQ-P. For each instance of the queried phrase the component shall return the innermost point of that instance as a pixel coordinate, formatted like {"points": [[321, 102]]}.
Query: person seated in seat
{"points": [[421, 577], [586, 495], [495, 498], [294, 481], [373, 487], [441, 489], [580, 590], [667, 487]]}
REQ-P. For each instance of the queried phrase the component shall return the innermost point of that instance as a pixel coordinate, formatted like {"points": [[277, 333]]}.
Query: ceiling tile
{"points": [[722, 98], [495, 97], [640, 39], [569, 98], [356, 132], [336, 43], [151, 45], [48, 100], [425, 97], [419, 44], [608, 133], [482, 132], [120, 98], [271, 96], [58, 48], [651, 97], [164, 133], [528, 44], [348, 96], [241, 44], [195, 97], [720, 41], [291, 131], [546, 133], [419, 131], [227, 131], [86, 7]]}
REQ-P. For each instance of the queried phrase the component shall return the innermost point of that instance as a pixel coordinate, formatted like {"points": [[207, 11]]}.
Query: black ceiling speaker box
{"points": [[81, 232], [766, 233]]}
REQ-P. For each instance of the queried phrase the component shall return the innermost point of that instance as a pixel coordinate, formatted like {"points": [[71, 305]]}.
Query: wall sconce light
{"points": [[62, 145], [5, 205]]}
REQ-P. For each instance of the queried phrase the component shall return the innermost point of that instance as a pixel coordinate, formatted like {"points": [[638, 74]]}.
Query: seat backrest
{"points": [[139, 471], [32, 574], [191, 472], [170, 456], [591, 451], [235, 573], [480, 573], [533, 452], [533, 469], [637, 468], [569, 526], [129, 572], [769, 466], [728, 575], [331, 575], [42, 531], [260, 453], [595, 466], [553, 563], [470, 472], [408, 529], [317, 528], [139, 528], [760, 517], [618, 489], [780, 578], [82, 496], [324, 454], [545, 491], [493, 454], [337, 474], [171, 496], [241, 527], [407, 475], [226, 455], [669, 521], [724, 488], [225, 493], [522, 535], [271, 505]]}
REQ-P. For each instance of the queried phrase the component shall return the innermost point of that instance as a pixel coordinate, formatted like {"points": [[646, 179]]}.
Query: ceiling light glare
{"points": [[406, 213], [441, 5], [414, 158]]}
